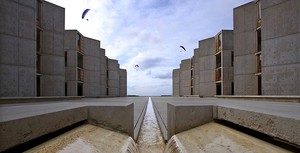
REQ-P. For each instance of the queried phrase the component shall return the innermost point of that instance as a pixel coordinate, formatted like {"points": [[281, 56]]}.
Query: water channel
{"points": [[150, 139]]}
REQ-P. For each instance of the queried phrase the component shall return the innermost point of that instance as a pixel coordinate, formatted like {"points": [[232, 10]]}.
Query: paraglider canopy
{"points": [[183, 48], [137, 67], [84, 13]]}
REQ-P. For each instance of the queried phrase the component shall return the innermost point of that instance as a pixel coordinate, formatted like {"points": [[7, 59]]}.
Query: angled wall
{"points": [[185, 77], [244, 40], [123, 82], [113, 80], [52, 64], [17, 48], [207, 64], [91, 66], [175, 76], [196, 71], [281, 47]]}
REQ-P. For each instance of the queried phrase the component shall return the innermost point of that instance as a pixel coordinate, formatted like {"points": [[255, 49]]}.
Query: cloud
{"points": [[163, 76], [149, 33], [150, 63]]}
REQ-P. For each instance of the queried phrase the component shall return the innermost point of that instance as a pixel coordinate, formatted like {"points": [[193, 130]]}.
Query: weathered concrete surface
{"points": [[175, 78], [32, 120], [182, 117], [185, 77], [88, 138], [213, 137], [271, 118]]}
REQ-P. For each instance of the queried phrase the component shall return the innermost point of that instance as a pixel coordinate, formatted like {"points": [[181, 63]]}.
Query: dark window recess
{"points": [[38, 85], [219, 89], [218, 61], [79, 89], [259, 85], [232, 59], [258, 34], [79, 60]]}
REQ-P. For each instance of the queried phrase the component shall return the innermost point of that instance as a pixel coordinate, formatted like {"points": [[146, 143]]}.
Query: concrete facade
{"points": [[123, 82], [207, 65], [17, 48], [38, 58], [175, 77], [245, 80], [196, 71], [280, 47], [52, 78], [224, 63], [113, 80], [185, 78]]}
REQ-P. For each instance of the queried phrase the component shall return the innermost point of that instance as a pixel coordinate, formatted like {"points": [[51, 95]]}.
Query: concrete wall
{"points": [[175, 77], [196, 72], [52, 52], [207, 64], [103, 73], [17, 48], [71, 63], [91, 66], [226, 61], [123, 82], [113, 81], [281, 47], [244, 39], [185, 77]]}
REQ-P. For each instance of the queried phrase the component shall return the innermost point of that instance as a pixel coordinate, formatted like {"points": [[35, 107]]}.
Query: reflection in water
{"points": [[150, 139]]}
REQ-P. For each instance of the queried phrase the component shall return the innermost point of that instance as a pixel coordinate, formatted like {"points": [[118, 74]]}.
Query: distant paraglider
{"points": [[137, 67], [182, 48], [84, 13]]}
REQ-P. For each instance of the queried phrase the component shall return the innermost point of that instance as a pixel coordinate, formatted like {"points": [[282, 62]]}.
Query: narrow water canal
{"points": [[150, 139]]}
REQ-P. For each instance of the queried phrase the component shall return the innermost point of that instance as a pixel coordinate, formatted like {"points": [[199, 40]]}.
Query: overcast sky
{"points": [[149, 33]]}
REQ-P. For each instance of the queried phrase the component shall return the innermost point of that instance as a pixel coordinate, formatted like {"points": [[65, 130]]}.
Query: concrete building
{"points": [[175, 84], [245, 80], [280, 47], [266, 48], [113, 78], [224, 63], [38, 59], [17, 49], [123, 82], [50, 50], [207, 66], [210, 71], [185, 77], [32, 56]]}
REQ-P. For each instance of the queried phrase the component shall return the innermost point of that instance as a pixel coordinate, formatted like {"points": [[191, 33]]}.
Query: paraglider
{"points": [[137, 67], [182, 48], [84, 13]]}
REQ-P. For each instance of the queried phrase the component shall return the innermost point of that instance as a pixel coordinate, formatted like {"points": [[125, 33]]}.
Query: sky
{"points": [[149, 33]]}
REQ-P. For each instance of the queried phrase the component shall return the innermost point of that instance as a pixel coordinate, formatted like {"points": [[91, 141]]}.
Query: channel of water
{"points": [[150, 139]]}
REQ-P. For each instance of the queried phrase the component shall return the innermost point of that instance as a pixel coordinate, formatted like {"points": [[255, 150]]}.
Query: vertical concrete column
{"points": [[207, 64], [185, 77], [244, 36], [52, 52], [182, 117], [123, 83], [113, 78], [176, 87], [17, 49]]}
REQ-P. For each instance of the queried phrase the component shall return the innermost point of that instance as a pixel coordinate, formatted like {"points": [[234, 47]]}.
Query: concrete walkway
{"points": [[271, 118], [33, 120]]}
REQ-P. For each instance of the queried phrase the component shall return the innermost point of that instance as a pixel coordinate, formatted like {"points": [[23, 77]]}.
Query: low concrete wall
{"points": [[11, 100], [182, 118], [281, 128], [115, 117], [263, 98], [21, 130], [139, 122], [16, 132]]}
